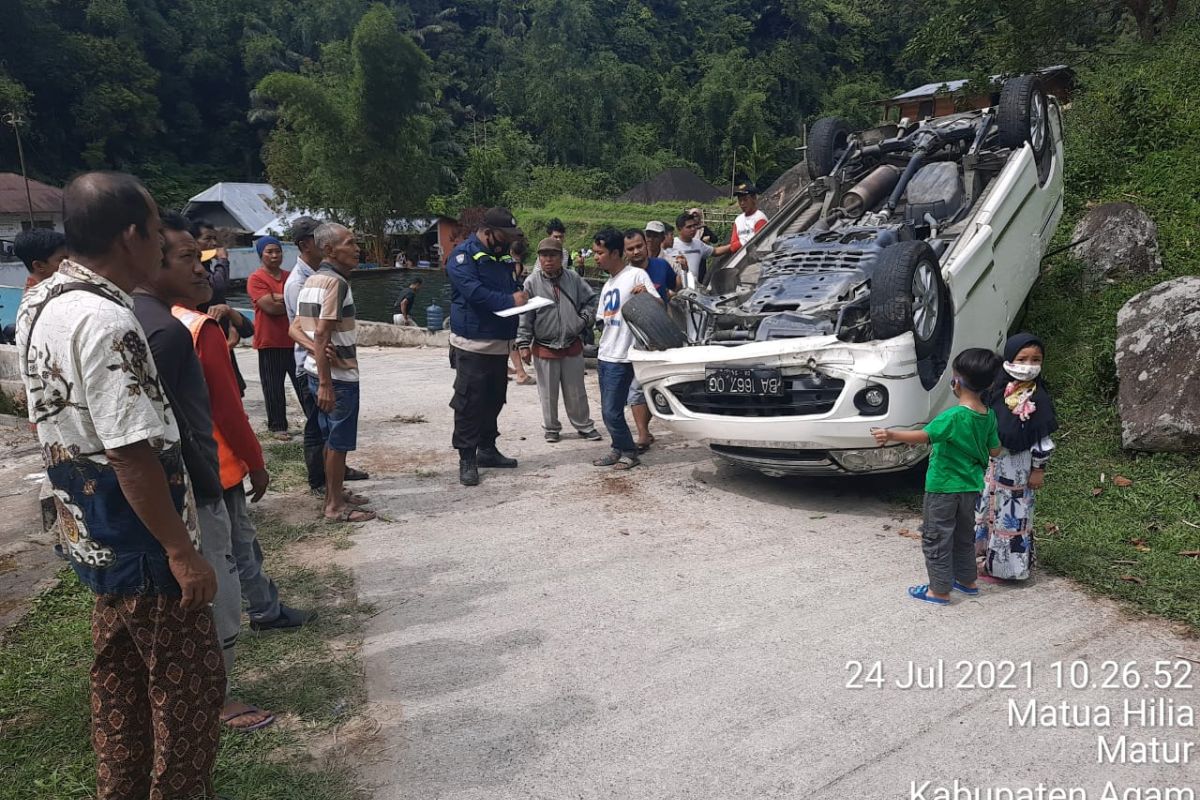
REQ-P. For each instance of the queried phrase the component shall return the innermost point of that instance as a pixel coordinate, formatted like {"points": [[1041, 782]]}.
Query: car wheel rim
{"points": [[926, 302], [1037, 121]]}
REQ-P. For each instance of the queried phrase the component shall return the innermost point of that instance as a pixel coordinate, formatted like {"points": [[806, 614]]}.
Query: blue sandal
{"points": [[921, 593], [958, 587]]}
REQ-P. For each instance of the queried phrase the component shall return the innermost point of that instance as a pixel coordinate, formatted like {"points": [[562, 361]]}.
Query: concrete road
{"points": [[684, 631]]}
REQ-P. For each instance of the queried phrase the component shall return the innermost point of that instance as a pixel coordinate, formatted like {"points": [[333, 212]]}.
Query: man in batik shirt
{"points": [[113, 459]]}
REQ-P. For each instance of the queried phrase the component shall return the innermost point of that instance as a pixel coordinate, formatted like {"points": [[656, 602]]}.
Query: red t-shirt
{"points": [[270, 330]]}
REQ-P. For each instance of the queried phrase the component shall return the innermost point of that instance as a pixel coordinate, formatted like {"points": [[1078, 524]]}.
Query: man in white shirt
{"points": [[748, 223], [688, 251], [614, 371]]}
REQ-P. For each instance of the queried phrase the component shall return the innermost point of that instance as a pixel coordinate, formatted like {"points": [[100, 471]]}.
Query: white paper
{"points": [[533, 305]]}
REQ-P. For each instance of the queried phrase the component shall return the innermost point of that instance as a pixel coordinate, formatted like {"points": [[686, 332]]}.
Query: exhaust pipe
{"points": [[869, 191]]}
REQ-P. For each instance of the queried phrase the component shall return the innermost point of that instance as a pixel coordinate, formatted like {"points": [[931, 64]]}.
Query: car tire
{"points": [[826, 143], [1024, 114], [909, 296], [647, 319]]}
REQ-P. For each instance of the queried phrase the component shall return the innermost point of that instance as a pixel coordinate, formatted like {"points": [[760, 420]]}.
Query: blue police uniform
{"points": [[480, 285]]}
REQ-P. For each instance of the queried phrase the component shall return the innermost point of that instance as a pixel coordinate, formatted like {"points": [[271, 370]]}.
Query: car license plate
{"points": [[743, 382]]}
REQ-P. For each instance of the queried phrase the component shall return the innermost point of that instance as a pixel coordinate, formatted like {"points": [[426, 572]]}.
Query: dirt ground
{"points": [[27, 560]]}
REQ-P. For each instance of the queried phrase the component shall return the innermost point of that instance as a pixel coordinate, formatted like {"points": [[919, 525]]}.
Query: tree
{"points": [[353, 131]]}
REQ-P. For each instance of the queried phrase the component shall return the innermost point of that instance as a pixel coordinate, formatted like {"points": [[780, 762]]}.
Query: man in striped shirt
{"points": [[324, 326]]}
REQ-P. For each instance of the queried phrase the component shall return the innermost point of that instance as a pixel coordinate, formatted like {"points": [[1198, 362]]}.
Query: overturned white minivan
{"points": [[912, 243]]}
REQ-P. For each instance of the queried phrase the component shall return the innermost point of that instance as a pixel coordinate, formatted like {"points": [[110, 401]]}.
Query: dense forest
{"points": [[379, 108]]}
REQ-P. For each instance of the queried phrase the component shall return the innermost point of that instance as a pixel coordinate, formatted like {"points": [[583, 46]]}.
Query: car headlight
{"points": [[872, 401], [880, 458], [660, 402]]}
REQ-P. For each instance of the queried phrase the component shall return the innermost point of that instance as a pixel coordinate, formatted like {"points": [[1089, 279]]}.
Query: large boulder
{"points": [[1120, 239], [1158, 339]]}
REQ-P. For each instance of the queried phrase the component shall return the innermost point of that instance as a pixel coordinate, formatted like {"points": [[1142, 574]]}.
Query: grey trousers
{"points": [[566, 374], [948, 539], [216, 546], [258, 590]]}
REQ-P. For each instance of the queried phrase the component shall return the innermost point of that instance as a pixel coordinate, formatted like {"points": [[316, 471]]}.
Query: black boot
{"points": [[491, 457], [468, 467]]}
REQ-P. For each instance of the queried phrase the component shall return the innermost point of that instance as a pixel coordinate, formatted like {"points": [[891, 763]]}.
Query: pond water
{"points": [[375, 293]]}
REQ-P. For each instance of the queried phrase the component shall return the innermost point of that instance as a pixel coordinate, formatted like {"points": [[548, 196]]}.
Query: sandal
{"points": [[958, 587], [608, 460], [229, 718], [921, 592], [527, 380], [354, 499], [626, 462], [350, 515]]}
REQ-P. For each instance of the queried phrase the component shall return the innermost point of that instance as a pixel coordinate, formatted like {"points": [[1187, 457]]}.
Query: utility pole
{"points": [[14, 119]]}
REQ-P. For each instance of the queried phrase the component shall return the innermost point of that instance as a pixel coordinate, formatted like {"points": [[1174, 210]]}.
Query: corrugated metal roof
{"points": [[46, 199], [248, 203]]}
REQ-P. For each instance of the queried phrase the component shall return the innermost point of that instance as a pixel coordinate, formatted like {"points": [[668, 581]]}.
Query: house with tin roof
{"points": [[15, 205]]}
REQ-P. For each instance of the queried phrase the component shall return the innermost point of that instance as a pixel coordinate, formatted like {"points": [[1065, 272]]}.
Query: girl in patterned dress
{"points": [[1025, 419]]}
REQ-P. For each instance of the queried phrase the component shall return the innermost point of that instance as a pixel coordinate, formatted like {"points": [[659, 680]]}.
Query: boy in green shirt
{"points": [[963, 438]]}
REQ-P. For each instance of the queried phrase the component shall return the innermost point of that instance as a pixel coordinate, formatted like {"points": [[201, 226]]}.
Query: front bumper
{"points": [[823, 431]]}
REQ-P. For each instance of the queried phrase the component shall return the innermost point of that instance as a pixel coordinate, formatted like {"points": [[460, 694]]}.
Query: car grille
{"points": [[805, 395]]}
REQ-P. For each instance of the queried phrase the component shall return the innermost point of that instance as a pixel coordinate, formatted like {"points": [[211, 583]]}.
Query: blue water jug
{"points": [[434, 317]]}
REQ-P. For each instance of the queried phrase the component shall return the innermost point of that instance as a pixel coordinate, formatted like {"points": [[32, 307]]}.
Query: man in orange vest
{"points": [[239, 454]]}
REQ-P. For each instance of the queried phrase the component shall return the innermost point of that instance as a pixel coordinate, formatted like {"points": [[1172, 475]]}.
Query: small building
{"points": [[241, 208], [948, 97], [15, 203]]}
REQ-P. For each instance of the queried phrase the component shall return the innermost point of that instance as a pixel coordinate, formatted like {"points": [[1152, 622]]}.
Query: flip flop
{"points": [[227, 719], [354, 499], [528, 380], [921, 592], [958, 587], [350, 515]]}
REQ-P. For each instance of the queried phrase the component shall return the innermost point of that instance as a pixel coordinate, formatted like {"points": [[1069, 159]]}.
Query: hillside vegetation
{"points": [[1133, 135]]}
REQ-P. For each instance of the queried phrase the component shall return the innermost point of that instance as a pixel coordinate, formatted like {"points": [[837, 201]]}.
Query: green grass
{"points": [[1085, 535], [312, 684], [1133, 135], [12, 405], [285, 462]]}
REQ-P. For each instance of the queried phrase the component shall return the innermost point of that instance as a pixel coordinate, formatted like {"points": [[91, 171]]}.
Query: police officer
{"points": [[482, 283]]}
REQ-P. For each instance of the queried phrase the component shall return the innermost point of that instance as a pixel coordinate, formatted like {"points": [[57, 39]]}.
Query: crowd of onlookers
{"points": [[126, 346], [126, 342]]}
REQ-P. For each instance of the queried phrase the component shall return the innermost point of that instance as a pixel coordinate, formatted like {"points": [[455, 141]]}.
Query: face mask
{"points": [[498, 248], [1023, 372]]}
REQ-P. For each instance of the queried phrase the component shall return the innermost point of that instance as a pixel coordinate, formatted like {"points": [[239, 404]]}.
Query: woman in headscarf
{"points": [[1025, 419]]}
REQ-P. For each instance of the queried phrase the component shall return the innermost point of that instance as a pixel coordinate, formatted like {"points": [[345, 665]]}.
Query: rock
{"points": [[1120, 240], [1158, 337], [784, 189], [371, 334]]}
